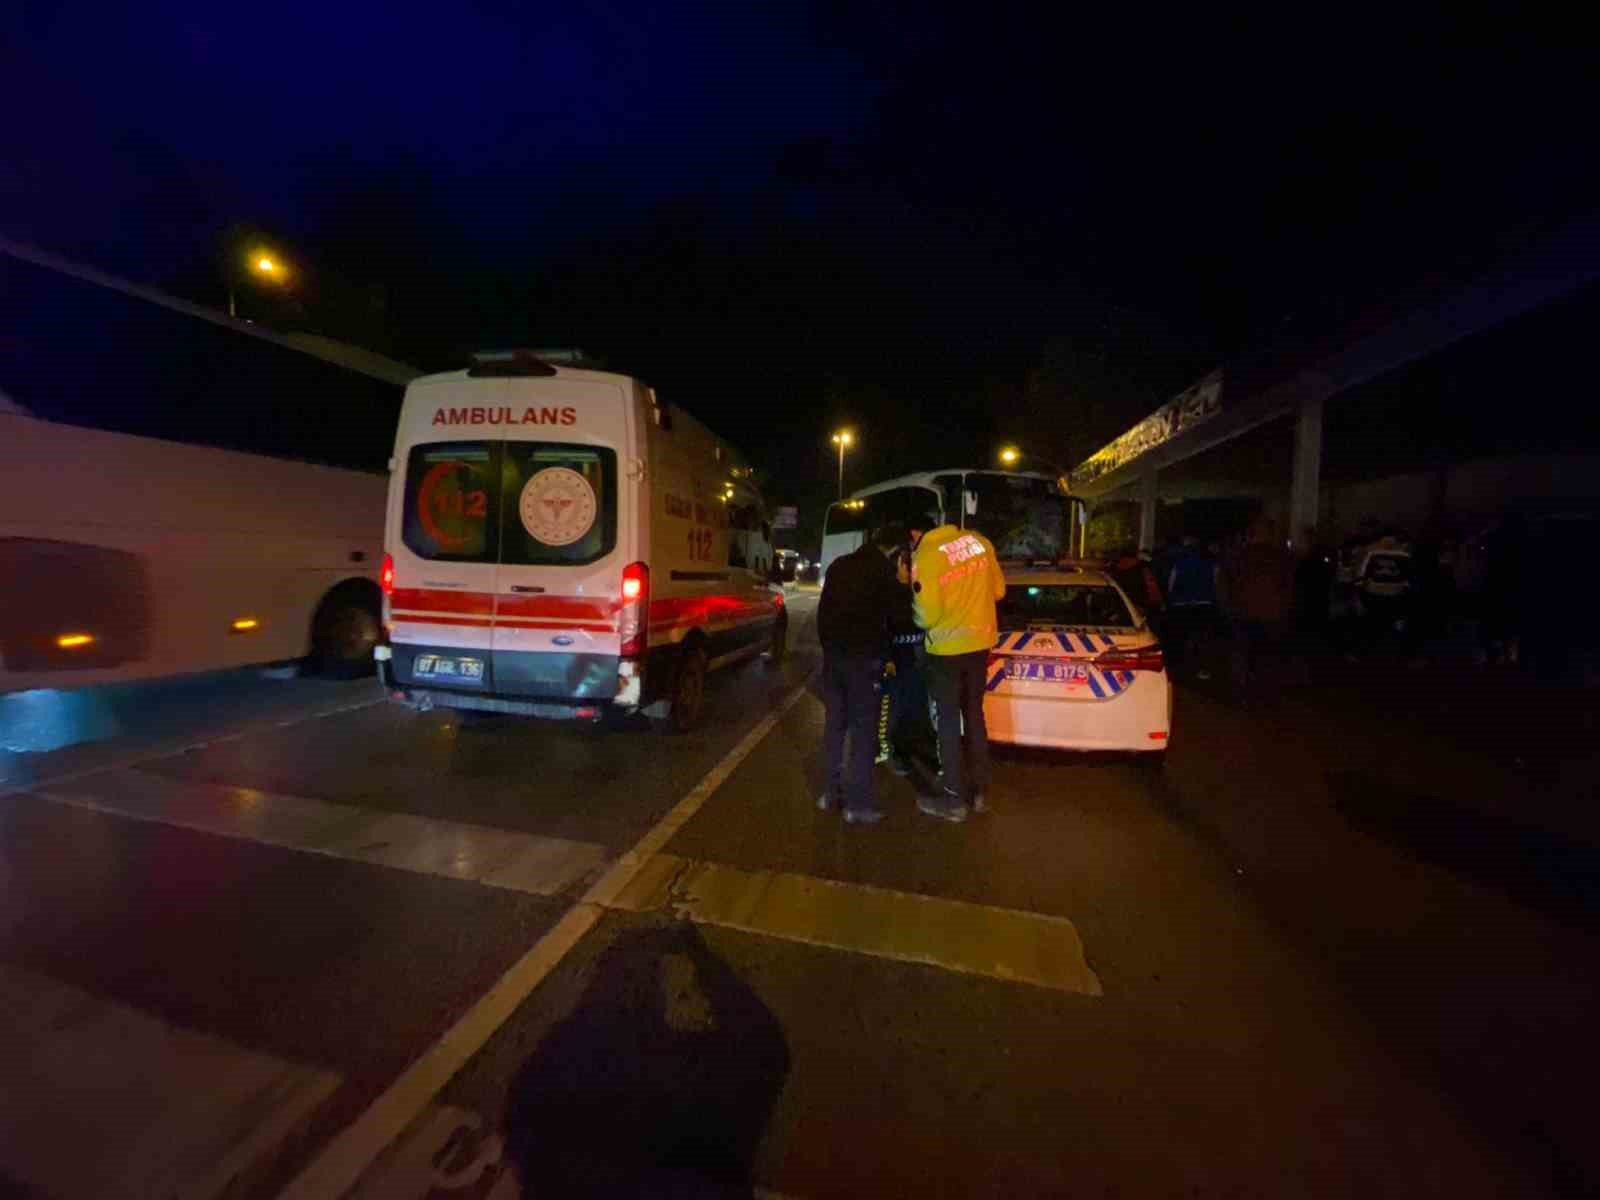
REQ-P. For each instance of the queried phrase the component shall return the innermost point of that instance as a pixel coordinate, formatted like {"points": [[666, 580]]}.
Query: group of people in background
{"points": [[906, 624], [907, 621], [1267, 600]]}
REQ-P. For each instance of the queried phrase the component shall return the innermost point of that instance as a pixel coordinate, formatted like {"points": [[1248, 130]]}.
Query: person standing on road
{"points": [[1137, 579], [852, 624], [1260, 598], [902, 710], [1193, 589], [955, 582]]}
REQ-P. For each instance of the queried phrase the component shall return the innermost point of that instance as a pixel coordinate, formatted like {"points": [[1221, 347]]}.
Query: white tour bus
{"points": [[559, 543], [153, 519], [1025, 514]]}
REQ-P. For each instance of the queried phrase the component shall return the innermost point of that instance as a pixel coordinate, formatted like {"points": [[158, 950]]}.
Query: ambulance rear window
{"points": [[524, 503], [558, 503], [451, 505]]}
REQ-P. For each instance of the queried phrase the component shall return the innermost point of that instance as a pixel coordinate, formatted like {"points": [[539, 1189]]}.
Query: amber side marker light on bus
{"points": [[244, 625], [75, 641]]}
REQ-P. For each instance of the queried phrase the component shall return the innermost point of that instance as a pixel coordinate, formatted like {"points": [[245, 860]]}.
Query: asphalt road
{"points": [[263, 936]]}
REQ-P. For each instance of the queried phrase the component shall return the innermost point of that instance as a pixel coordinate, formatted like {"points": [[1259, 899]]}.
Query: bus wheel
{"points": [[343, 636], [779, 649], [687, 702]]}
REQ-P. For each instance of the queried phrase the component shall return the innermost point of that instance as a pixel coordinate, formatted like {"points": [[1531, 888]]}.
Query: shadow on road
{"points": [[1534, 867], [659, 1084]]}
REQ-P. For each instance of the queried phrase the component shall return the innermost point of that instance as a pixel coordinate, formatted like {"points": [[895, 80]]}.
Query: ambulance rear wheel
{"points": [[687, 700]]}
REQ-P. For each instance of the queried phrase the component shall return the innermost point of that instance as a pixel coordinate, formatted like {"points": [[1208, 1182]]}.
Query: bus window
{"points": [[912, 507], [1025, 517]]}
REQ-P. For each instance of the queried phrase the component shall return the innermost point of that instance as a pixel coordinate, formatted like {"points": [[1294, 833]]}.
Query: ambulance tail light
{"points": [[1145, 658], [634, 622], [386, 575]]}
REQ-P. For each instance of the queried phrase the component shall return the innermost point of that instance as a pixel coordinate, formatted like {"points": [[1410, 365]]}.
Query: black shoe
{"points": [[862, 816], [946, 807]]}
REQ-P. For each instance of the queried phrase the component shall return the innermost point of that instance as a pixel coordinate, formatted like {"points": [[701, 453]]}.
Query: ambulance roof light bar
{"points": [[569, 356], [492, 364]]}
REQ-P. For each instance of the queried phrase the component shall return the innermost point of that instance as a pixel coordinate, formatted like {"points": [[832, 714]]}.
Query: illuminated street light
{"points": [[1010, 456], [843, 439], [260, 264]]}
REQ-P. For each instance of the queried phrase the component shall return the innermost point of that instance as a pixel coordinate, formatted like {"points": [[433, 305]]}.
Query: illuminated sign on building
{"points": [[1191, 408]]}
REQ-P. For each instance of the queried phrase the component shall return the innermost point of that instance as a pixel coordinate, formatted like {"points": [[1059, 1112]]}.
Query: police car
{"points": [[1077, 666]]}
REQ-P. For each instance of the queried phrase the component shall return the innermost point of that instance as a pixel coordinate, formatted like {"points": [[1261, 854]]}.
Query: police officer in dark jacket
{"points": [[858, 596]]}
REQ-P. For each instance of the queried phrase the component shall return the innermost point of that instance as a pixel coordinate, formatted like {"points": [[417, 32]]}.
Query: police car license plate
{"points": [[456, 670], [1045, 670]]}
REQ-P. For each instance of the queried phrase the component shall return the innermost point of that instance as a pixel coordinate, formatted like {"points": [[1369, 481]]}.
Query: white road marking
{"points": [[103, 1100], [343, 1160], [501, 858], [954, 935]]}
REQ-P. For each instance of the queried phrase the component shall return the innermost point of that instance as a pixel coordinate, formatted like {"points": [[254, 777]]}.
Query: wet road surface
{"points": [[280, 936]]}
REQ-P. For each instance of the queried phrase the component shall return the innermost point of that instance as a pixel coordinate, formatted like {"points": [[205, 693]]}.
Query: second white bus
{"points": [[1024, 513]]}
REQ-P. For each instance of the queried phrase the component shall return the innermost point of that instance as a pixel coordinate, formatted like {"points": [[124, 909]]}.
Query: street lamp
{"points": [[260, 264], [1011, 456], [843, 439]]}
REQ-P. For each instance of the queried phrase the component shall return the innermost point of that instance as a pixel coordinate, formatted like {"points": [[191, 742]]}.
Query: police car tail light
{"points": [[386, 575], [1146, 658], [634, 624]]}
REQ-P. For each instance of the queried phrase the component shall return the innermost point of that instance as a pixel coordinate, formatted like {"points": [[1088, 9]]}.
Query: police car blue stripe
{"points": [[1023, 640], [1109, 644], [1094, 686], [1127, 677], [1088, 642], [1113, 683], [996, 679]]}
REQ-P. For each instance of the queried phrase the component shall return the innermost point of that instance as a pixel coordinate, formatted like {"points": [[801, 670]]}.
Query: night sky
{"points": [[788, 216]]}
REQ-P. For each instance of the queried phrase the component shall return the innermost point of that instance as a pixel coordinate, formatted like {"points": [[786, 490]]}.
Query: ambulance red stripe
{"points": [[490, 622], [441, 601]]}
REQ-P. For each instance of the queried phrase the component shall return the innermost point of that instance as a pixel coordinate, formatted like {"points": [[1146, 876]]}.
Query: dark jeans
{"points": [[1190, 630], [955, 682], [850, 692], [1254, 641]]}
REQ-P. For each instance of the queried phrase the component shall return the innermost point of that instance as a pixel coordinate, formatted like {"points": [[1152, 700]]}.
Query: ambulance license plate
{"points": [[452, 670], [1045, 670]]}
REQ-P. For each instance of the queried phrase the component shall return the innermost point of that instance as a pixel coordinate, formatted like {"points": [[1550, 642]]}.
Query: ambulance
{"points": [[560, 543]]}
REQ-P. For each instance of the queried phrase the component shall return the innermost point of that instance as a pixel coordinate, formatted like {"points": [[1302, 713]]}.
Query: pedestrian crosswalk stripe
{"points": [[972, 939], [502, 858]]}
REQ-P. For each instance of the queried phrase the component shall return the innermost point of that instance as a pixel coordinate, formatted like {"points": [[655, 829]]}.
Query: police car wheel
{"points": [[779, 649], [687, 699]]}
